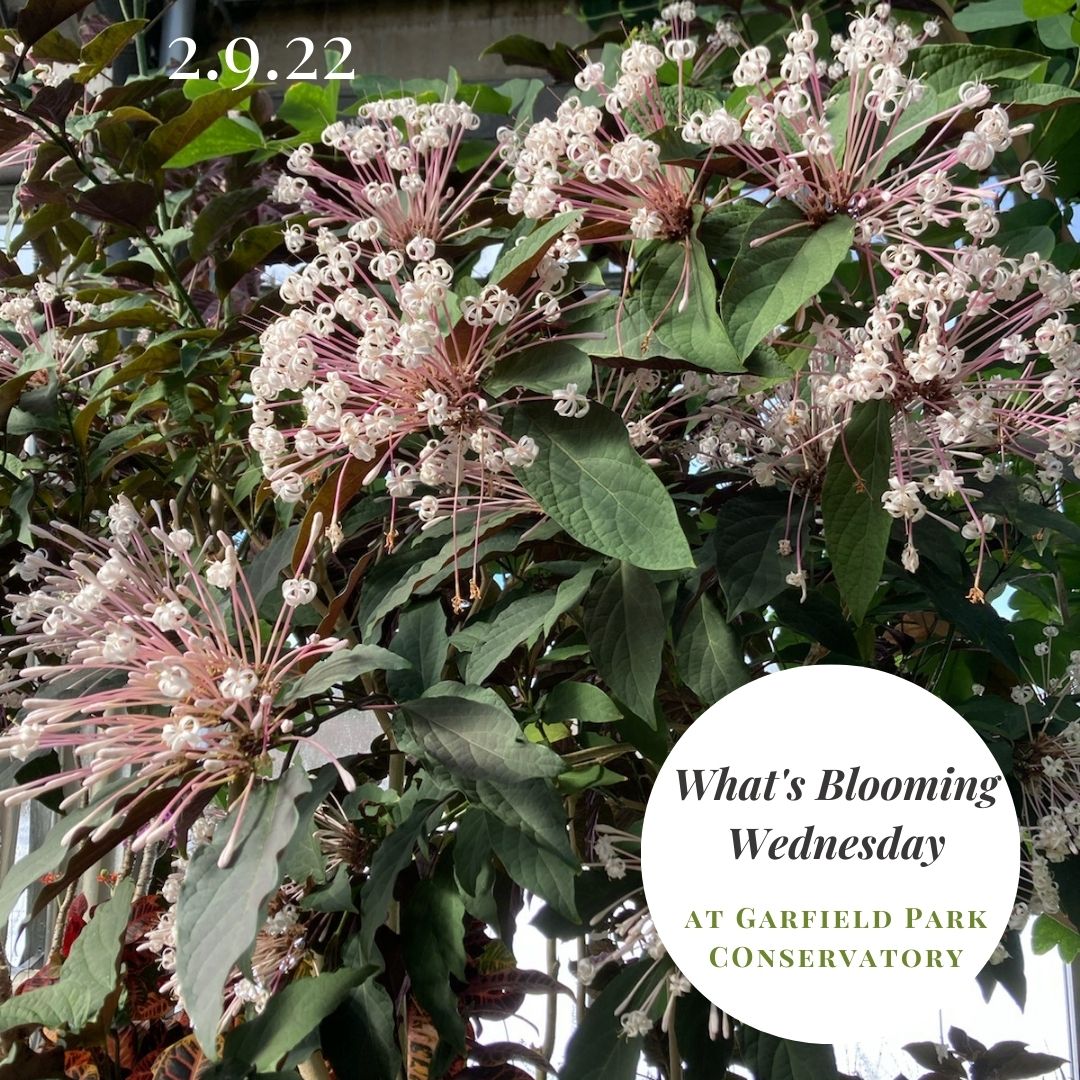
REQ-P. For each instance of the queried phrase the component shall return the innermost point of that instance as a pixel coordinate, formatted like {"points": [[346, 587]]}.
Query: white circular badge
{"points": [[825, 844]]}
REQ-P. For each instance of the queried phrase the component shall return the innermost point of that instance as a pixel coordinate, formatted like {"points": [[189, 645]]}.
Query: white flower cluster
{"points": [[369, 350], [399, 155]]}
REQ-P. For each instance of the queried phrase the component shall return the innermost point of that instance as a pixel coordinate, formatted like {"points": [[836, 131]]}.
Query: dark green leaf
{"points": [[476, 741], [583, 702], [391, 857], [359, 1039], [707, 653], [519, 623], [543, 368], [598, 1049], [770, 1058], [856, 525], [534, 867], [433, 938], [343, 667], [625, 627], [990, 15], [289, 1017], [748, 532], [591, 481], [421, 639], [784, 261]]}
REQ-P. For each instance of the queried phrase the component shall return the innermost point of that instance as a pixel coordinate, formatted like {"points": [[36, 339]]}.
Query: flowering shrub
{"points": [[386, 487]]}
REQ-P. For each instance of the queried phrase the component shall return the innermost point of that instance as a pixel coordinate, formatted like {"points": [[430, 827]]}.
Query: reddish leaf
{"points": [[145, 914], [81, 1065], [502, 1052], [76, 920], [45, 977], [183, 1060], [501, 993], [122, 1046], [11, 132]]}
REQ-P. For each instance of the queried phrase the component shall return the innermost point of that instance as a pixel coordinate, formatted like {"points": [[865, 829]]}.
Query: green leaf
{"points": [[533, 808], [421, 639], [289, 1017], [249, 250], [263, 571], [309, 107], [542, 368], [990, 15], [747, 538], [342, 667], [980, 623], [223, 138], [88, 978], [517, 261], [359, 1040], [583, 702], [489, 643], [433, 938], [1048, 933], [625, 627], [707, 653], [724, 225], [1027, 98], [665, 316], [770, 1058], [102, 49], [220, 909], [533, 866], [390, 858], [856, 525], [422, 567], [1041, 9], [476, 741], [166, 141], [944, 69], [592, 482], [772, 279]]}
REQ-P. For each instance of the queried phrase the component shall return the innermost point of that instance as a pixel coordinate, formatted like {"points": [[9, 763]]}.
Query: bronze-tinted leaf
{"points": [[125, 202], [40, 16], [183, 1060], [53, 103]]}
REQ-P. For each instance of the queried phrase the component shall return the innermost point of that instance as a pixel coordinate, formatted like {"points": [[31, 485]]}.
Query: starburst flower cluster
{"points": [[392, 178], [143, 653], [824, 133], [979, 362], [385, 357], [599, 159]]}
